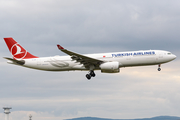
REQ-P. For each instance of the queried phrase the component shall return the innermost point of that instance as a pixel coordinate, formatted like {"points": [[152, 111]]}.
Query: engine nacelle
{"points": [[110, 67]]}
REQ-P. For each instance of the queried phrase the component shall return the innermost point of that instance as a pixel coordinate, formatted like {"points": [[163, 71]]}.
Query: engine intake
{"points": [[110, 67]]}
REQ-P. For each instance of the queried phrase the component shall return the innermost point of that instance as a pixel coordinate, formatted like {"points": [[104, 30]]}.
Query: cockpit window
{"points": [[169, 53]]}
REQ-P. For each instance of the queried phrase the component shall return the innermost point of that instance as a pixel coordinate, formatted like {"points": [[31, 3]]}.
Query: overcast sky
{"points": [[90, 26]]}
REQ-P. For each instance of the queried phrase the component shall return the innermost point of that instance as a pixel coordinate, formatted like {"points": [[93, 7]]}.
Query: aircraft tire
{"points": [[88, 76], [92, 74]]}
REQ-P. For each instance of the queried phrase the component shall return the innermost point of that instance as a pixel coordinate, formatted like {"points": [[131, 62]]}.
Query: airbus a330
{"points": [[106, 62]]}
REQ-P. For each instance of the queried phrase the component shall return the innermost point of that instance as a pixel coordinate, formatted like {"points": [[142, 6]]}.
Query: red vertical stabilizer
{"points": [[17, 51]]}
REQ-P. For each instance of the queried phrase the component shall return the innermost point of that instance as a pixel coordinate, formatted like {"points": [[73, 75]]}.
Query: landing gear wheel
{"points": [[159, 67], [88, 76], [92, 74]]}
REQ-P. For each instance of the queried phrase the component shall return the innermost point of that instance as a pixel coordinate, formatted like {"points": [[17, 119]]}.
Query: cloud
{"points": [[134, 89], [90, 27]]}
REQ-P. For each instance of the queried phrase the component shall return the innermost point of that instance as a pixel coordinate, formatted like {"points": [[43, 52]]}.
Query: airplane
{"points": [[106, 62]]}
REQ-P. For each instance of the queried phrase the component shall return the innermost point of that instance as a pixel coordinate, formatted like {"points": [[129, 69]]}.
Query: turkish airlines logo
{"points": [[18, 52]]}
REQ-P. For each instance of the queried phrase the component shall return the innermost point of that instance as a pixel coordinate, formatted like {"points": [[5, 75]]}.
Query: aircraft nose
{"points": [[174, 57]]}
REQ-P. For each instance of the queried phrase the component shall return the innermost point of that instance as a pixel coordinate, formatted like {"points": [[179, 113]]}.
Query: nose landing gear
{"points": [[159, 67], [91, 74]]}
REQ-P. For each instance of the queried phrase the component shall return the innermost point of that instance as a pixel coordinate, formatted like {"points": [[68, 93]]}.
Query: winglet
{"points": [[60, 47]]}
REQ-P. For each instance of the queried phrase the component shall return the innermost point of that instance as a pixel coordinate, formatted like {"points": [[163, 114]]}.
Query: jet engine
{"points": [[110, 67]]}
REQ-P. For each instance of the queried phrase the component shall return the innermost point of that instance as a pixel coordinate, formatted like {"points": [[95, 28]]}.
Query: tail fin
{"points": [[17, 51]]}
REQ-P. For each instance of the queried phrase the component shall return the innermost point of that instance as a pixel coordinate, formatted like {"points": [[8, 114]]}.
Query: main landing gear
{"points": [[159, 67], [91, 74]]}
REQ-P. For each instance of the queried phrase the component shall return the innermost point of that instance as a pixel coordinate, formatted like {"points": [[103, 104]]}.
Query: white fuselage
{"points": [[125, 59]]}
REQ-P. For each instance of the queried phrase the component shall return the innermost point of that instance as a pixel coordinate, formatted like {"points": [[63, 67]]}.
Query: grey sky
{"points": [[90, 26]]}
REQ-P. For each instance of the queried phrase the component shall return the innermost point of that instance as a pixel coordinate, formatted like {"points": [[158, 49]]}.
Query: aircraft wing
{"points": [[85, 60]]}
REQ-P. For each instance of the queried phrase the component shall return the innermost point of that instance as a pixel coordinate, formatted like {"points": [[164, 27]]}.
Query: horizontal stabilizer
{"points": [[19, 62]]}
